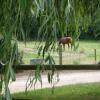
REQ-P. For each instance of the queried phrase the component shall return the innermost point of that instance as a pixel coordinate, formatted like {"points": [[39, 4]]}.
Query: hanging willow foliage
{"points": [[64, 17], [13, 14], [55, 18]]}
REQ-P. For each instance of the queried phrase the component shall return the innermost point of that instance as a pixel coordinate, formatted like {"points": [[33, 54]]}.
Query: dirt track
{"points": [[65, 78]]}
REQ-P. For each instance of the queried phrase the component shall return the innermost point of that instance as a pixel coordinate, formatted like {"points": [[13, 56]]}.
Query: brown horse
{"points": [[66, 40]]}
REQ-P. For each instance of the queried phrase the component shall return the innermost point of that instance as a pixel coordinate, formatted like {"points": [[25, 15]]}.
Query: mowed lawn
{"points": [[84, 54], [70, 92]]}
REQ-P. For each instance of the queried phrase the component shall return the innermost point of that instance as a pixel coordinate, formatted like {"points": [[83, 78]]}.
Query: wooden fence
{"points": [[59, 67]]}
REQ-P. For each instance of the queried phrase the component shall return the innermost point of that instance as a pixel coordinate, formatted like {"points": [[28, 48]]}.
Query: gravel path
{"points": [[65, 78]]}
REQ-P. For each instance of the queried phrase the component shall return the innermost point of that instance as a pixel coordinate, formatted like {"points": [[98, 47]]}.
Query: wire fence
{"points": [[90, 56], [82, 56]]}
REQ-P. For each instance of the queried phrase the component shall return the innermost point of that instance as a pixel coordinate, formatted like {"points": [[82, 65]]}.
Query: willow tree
{"points": [[55, 18], [13, 15]]}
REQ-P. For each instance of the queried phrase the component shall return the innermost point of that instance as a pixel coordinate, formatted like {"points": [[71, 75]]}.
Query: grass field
{"points": [[83, 55], [70, 92]]}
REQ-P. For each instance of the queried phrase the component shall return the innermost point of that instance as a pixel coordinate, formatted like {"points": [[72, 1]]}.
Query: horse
{"points": [[66, 40]]}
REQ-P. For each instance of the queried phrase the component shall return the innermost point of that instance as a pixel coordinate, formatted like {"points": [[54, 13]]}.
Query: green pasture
{"points": [[83, 55], [70, 92]]}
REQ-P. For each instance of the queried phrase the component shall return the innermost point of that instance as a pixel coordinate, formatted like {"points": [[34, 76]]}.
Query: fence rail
{"points": [[59, 67]]}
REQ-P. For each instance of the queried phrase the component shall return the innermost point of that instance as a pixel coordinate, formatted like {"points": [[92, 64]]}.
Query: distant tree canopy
{"points": [[56, 18], [61, 17]]}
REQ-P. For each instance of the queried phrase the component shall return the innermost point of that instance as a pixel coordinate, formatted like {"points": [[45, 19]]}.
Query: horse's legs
{"points": [[68, 46], [64, 46]]}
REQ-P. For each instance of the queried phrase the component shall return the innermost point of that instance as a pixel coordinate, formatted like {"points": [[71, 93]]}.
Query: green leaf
{"points": [[8, 95], [39, 50], [6, 74], [12, 73], [46, 59], [1, 81], [76, 46]]}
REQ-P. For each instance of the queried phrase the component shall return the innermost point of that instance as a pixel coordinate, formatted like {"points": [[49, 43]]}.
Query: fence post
{"points": [[60, 54], [95, 55]]}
